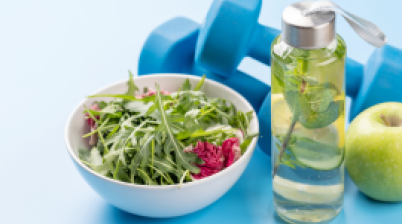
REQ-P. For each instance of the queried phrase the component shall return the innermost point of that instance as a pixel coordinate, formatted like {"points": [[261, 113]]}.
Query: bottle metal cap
{"points": [[307, 32]]}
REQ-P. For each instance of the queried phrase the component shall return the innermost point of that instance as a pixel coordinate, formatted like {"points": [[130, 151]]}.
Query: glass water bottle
{"points": [[308, 111]]}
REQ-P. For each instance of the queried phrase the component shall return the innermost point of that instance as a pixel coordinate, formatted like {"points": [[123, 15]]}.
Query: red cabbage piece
{"points": [[89, 119], [215, 157], [151, 92], [231, 150], [94, 138], [212, 156]]}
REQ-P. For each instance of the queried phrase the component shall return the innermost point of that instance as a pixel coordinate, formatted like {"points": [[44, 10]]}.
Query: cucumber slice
{"points": [[307, 193], [316, 155]]}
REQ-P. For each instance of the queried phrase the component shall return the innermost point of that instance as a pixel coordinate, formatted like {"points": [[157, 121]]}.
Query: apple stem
{"points": [[284, 145], [382, 116]]}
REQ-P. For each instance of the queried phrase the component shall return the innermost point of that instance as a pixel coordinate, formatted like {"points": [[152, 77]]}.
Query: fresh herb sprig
{"points": [[313, 105]]}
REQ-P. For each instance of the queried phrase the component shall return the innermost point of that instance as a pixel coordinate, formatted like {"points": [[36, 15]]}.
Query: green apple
{"points": [[374, 152]]}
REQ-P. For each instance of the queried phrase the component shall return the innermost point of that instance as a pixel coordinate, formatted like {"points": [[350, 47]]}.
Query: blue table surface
{"points": [[54, 53]]}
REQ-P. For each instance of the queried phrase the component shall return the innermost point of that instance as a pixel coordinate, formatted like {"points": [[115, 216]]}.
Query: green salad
{"points": [[163, 138]]}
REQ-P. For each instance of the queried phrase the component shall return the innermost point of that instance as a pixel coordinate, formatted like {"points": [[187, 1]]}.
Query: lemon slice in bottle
{"points": [[282, 113], [306, 193]]}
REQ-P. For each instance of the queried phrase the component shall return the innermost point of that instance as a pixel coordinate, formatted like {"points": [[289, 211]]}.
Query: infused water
{"points": [[308, 118]]}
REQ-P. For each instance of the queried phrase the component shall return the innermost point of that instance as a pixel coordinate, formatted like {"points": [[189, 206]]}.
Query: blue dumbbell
{"points": [[170, 48], [231, 31]]}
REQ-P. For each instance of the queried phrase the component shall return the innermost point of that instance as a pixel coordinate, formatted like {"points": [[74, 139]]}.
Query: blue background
{"points": [[54, 53]]}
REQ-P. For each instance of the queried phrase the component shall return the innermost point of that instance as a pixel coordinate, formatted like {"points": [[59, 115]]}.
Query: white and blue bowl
{"points": [[159, 201]]}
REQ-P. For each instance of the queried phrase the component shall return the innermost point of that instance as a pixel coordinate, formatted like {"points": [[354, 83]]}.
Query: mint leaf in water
{"points": [[298, 104], [292, 83], [315, 107], [278, 69], [312, 105], [321, 96], [323, 119], [278, 73]]}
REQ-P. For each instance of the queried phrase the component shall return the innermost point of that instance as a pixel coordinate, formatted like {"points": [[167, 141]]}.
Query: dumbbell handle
{"points": [[260, 45], [260, 49]]}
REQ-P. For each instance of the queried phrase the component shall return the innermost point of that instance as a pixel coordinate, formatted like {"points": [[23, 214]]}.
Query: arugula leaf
{"points": [[122, 134], [113, 131], [102, 104], [182, 178], [199, 85], [246, 142], [190, 118], [158, 150], [162, 174], [164, 165], [102, 169], [202, 133], [93, 159], [141, 156], [139, 107], [180, 157], [145, 177], [132, 88], [188, 92], [120, 172], [118, 96], [112, 109], [186, 85], [167, 147], [92, 156]]}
